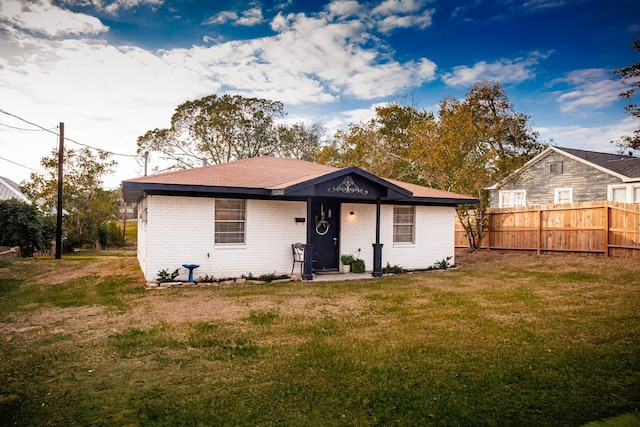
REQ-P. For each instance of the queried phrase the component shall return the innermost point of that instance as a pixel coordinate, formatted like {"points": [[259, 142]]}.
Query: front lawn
{"points": [[504, 339]]}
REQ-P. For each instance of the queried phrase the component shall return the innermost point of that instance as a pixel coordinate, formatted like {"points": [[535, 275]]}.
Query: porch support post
{"points": [[307, 267], [377, 246]]}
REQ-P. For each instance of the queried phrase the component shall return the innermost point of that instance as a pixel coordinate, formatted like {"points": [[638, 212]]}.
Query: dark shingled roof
{"points": [[628, 166]]}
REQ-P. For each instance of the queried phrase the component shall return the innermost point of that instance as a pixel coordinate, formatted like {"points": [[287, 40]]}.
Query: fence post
{"points": [[539, 242], [607, 211]]}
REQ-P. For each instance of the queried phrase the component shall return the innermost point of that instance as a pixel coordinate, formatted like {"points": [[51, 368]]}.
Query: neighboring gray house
{"points": [[10, 190], [567, 175]]}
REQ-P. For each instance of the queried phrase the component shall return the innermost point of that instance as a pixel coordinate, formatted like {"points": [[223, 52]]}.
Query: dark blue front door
{"points": [[325, 233]]}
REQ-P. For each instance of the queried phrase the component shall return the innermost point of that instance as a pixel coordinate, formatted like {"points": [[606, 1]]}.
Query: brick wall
{"points": [[434, 235], [178, 230]]}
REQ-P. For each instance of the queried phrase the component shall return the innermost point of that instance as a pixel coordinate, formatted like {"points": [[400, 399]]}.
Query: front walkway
{"points": [[336, 277]]}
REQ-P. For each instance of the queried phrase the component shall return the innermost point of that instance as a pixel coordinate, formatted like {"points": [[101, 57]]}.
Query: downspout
{"points": [[377, 246]]}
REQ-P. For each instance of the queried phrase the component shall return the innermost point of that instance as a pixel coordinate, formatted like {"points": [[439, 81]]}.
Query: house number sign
{"points": [[347, 186]]}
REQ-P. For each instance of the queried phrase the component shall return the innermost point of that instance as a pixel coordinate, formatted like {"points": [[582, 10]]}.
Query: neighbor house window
{"points": [[629, 193], [512, 198], [230, 221], [556, 168], [403, 224], [563, 195]]}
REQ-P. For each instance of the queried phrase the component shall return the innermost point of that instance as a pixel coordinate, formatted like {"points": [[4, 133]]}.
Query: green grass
{"points": [[500, 341]]}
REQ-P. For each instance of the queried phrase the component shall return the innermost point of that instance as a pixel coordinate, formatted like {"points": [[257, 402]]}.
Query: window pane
{"points": [[620, 195], [403, 224], [229, 221], [563, 195], [512, 198], [636, 195]]}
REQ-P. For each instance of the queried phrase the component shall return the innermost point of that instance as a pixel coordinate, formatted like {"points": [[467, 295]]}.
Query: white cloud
{"points": [[504, 70], [47, 19], [222, 18], [247, 18], [393, 14], [113, 7], [588, 88], [109, 95], [250, 17], [596, 138], [421, 21], [390, 7], [345, 8], [118, 5]]}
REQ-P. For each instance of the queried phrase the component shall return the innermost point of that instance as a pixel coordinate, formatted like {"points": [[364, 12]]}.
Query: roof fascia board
{"points": [[136, 189], [623, 178], [438, 201], [560, 151], [524, 167]]}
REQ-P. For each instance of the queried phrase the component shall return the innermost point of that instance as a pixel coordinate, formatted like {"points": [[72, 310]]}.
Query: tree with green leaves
{"points": [[479, 140], [89, 210], [299, 141], [630, 77], [220, 129], [474, 141], [384, 145], [21, 224]]}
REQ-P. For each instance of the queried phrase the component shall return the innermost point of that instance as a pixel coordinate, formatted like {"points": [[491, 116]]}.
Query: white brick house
{"points": [[242, 217]]}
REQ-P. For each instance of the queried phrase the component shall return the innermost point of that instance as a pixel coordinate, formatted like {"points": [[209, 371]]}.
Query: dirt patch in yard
{"points": [[179, 305]]}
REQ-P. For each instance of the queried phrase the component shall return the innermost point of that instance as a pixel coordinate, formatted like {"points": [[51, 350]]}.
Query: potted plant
{"points": [[346, 261]]}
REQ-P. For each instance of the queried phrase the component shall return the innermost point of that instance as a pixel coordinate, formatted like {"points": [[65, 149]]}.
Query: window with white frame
{"points": [[230, 217], [512, 198], [403, 224], [563, 195], [625, 193]]}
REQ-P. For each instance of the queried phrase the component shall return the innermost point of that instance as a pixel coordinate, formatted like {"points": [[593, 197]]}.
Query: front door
{"points": [[325, 233]]}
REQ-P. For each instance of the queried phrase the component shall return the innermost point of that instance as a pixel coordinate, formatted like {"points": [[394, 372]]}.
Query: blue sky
{"points": [[111, 70]]}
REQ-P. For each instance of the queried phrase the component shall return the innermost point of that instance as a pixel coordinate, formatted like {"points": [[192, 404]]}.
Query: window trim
{"points": [[412, 224], [556, 194], [217, 221], [629, 189], [502, 193]]}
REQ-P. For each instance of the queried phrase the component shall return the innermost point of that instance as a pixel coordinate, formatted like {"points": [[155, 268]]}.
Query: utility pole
{"points": [[146, 160], [59, 210]]}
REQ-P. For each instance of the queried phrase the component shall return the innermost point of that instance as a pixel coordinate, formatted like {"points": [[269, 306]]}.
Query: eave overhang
{"points": [[350, 184]]}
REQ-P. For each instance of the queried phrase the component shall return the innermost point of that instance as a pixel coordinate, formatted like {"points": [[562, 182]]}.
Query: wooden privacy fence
{"points": [[608, 228]]}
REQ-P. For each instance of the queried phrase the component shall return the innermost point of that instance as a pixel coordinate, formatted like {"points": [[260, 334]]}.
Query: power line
{"points": [[18, 164], [68, 139], [28, 130]]}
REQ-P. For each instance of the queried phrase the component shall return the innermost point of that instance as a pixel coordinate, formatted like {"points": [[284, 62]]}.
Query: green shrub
{"points": [[22, 225], [443, 264], [165, 276], [395, 269], [357, 266]]}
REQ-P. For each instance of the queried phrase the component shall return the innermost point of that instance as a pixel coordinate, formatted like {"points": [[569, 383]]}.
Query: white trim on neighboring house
{"points": [[562, 195], [17, 194], [512, 198], [625, 193]]}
